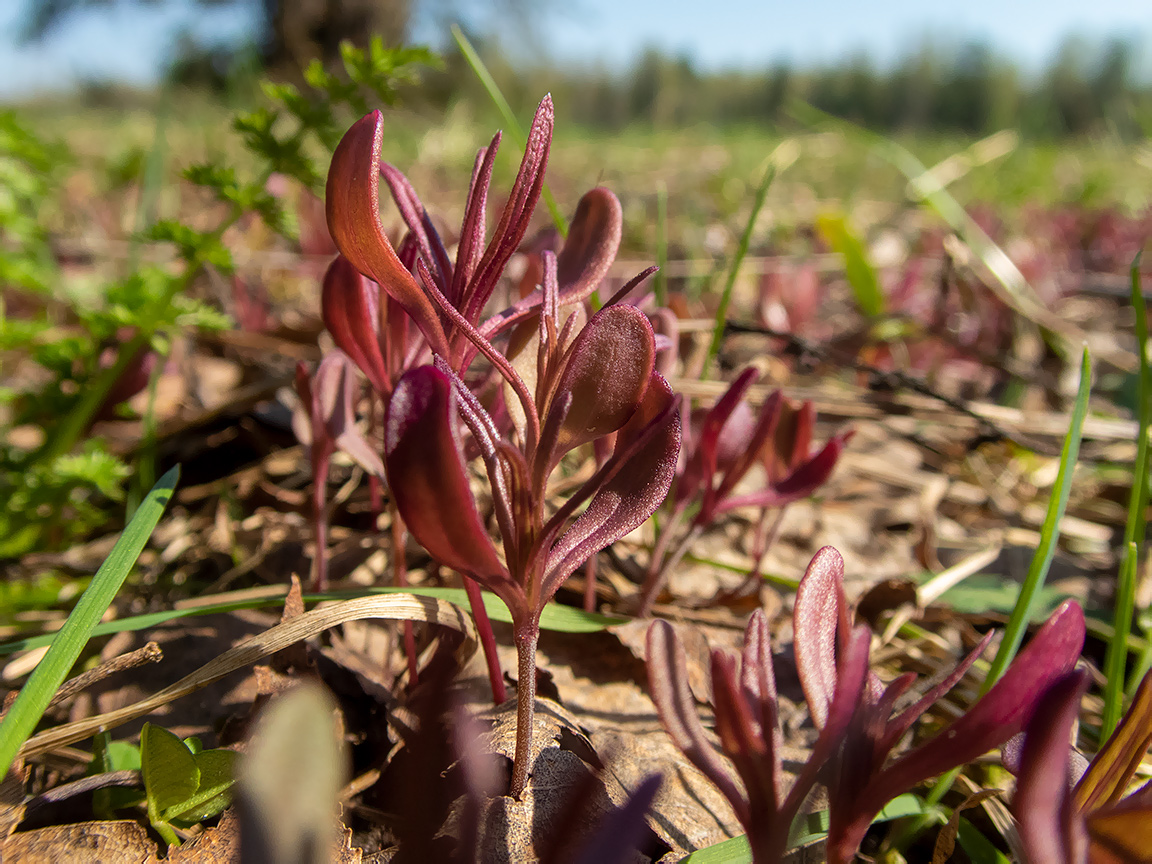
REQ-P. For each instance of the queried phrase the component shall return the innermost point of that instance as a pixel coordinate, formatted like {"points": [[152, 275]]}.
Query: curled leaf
{"points": [[352, 204], [426, 470], [350, 307], [816, 616]]}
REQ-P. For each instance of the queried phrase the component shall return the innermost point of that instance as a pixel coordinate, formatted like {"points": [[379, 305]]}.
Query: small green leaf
{"points": [[122, 756], [217, 775], [858, 269], [171, 776]]}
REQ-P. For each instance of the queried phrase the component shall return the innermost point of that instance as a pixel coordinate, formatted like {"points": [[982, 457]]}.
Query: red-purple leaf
{"points": [[740, 738], [1000, 713], [607, 370], [517, 212], [816, 615], [701, 464], [758, 684], [735, 436], [805, 480], [668, 684], [305, 418], [349, 305], [638, 476], [591, 245], [333, 393], [471, 245], [759, 438], [428, 477], [896, 727], [419, 225], [1041, 802], [852, 675], [353, 207], [791, 441]]}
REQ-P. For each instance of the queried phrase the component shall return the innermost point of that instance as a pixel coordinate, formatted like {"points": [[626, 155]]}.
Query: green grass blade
{"points": [[660, 285], [505, 109], [1134, 528], [1117, 651], [858, 269], [1049, 533], [555, 617], [977, 847], [34, 697], [733, 851], [734, 267]]}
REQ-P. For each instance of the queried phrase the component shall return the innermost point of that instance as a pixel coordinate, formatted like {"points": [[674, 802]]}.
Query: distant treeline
{"points": [[1087, 88]]}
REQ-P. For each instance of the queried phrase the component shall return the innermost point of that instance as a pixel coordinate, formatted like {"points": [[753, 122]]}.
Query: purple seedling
{"points": [[727, 441], [851, 709], [325, 423]]}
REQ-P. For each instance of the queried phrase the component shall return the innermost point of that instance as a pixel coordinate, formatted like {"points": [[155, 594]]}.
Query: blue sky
{"points": [[130, 43]]}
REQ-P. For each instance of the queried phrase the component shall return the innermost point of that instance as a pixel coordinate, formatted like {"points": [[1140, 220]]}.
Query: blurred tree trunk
{"points": [[299, 31]]}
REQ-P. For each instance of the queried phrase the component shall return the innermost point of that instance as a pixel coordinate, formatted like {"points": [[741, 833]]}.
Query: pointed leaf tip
{"points": [[352, 205], [1002, 711], [816, 615]]}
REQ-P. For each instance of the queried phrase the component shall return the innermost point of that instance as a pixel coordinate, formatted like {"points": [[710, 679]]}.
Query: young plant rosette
{"points": [[851, 708], [567, 380]]}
